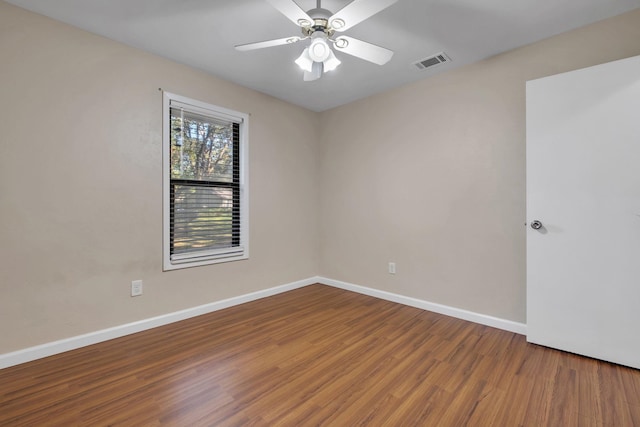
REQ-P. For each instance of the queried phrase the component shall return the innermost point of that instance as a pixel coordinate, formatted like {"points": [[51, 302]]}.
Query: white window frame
{"points": [[213, 256]]}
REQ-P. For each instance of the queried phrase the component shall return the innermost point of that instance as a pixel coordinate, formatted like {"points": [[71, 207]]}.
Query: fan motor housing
{"points": [[319, 24], [320, 18], [320, 13]]}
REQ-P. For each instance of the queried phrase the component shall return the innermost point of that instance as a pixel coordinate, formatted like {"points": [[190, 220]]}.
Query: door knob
{"points": [[536, 225]]}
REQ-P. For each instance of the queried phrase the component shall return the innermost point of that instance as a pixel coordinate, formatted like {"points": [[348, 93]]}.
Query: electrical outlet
{"points": [[136, 288], [392, 268]]}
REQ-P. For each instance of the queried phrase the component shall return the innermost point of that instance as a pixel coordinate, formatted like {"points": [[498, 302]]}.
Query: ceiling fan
{"points": [[320, 25]]}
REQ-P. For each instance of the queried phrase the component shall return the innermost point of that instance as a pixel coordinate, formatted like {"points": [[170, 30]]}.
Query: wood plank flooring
{"points": [[320, 356]]}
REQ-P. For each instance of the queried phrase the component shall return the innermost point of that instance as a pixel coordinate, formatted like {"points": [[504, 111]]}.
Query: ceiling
{"points": [[203, 33]]}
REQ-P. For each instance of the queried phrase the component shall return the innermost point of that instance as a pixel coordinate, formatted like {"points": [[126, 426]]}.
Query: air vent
{"points": [[432, 61]]}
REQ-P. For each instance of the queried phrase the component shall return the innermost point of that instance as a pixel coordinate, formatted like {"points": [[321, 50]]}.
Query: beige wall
{"points": [[432, 176], [81, 193]]}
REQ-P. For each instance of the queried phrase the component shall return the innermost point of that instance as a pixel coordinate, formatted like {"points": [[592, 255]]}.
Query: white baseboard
{"points": [[56, 347], [483, 319]]}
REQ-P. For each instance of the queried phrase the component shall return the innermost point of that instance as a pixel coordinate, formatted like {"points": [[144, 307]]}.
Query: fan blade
{"points": [[315, 73], [268, 43], [356, 12], [292, 11], [363, 50]]}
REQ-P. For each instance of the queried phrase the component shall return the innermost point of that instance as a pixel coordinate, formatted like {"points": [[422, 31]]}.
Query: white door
{"points": [[583, 185]]}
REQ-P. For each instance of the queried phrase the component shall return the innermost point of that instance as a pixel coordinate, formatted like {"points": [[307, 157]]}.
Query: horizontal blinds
{"points": [[190, 115], [205, 214], [204, 112]]}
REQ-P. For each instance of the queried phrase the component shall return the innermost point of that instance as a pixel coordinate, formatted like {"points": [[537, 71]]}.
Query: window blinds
{"points": [[205, 186]]}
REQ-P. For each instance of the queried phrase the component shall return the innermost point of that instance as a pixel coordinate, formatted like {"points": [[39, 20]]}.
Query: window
{"points": [[205, 178]]}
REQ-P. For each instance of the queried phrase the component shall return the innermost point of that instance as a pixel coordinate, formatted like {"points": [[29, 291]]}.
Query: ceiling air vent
{"points": [[433, 60]]}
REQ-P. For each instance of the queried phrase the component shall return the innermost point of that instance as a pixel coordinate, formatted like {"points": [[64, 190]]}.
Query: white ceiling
{"points": [[202, 34]]}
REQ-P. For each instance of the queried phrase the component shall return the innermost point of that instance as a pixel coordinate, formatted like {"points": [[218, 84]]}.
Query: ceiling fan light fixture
{"points": [[320, 25], [304, 61], [319, 50], [331, 63]]}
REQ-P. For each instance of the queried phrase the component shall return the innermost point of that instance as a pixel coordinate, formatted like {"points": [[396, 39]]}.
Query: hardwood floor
{"points": [[320, 356]]}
